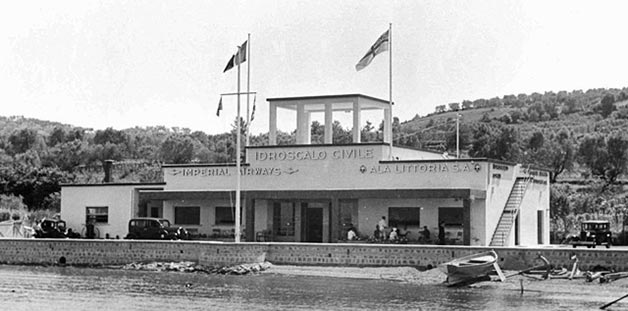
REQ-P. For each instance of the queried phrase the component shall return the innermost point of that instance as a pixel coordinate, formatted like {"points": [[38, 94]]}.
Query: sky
{"points": [[121, 64]]}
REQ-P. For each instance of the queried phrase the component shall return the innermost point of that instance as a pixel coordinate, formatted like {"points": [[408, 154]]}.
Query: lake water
{"points": [[73, 288]]}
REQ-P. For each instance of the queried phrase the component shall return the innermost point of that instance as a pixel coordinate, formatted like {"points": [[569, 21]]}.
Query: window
{"points": [[187, 215], [403, 217], [97, 214], [155, 212], [450, 215], [225, 215]]}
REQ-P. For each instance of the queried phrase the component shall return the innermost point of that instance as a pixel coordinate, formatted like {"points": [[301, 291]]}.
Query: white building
{"points": [[315, 193]]}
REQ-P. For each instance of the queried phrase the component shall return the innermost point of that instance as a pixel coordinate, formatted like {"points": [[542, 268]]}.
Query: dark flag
{"points": [[230, 63], [219, 107], [253, 110]]}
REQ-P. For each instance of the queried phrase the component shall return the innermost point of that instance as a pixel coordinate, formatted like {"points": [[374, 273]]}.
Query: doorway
{"points": [[313, 224]]}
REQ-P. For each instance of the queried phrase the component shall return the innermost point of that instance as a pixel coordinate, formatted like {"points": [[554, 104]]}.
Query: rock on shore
{"points": [[189, 266]]}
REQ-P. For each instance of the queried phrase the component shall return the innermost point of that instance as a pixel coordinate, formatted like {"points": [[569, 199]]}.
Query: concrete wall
{"points": [[370, 211], [478, 223], [208, 214], [499, 188], [118, 199], [328, 168], [400, 153], [117, 252], [536, 198]]}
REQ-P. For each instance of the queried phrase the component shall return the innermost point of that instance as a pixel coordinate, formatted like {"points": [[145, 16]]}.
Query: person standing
{"points": [[426, 234], [382, 227], [441, 233]]}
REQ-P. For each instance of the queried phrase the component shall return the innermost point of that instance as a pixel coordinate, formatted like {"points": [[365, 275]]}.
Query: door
{"points": [[314, 224], [539, 222]]}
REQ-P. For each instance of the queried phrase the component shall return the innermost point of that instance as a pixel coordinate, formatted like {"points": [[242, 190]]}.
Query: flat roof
{"points": [[156, 184], [339, 102]]}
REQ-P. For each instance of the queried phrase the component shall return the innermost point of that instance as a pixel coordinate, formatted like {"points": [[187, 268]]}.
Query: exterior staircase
{"points": [[511, 210]]}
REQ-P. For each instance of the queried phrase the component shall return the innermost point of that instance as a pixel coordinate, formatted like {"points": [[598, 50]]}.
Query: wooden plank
{"points": [[500, 274]]}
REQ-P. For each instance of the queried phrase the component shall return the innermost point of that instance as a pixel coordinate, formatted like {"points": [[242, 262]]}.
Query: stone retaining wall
{"points": [[117, 252]]}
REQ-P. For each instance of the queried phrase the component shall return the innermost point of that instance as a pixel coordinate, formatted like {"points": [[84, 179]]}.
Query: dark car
{"points": [[54, 229], [155, 229], [592, 233]]}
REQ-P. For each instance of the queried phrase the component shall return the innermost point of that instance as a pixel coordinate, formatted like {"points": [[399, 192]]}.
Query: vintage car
{"points": [[146, 228], [54, 229], [593, 233]]}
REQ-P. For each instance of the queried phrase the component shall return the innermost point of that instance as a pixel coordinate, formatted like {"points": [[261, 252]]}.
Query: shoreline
{"points": [[577, 289]]}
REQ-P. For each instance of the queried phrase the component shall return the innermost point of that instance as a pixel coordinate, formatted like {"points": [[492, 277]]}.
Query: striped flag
{"points": [[379, 46], [238, 58]]}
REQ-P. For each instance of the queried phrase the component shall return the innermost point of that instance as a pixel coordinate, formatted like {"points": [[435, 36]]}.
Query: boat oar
{"points": [[613, 302], [526, 270]]}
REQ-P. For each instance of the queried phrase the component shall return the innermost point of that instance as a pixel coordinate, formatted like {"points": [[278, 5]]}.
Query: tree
{"points": [[605, 158], [341, 136], [67, 155], [536, 141], [607, 105], [495, 142], [464, 138], [177, 149], [556, 153], [467, 104], [110, 135], [23, 140], [617, 146], [34, 184], [56, 137], [454, 106], [317, 132], [592, 153], [561, 154], [367, 134], [560, 207]]}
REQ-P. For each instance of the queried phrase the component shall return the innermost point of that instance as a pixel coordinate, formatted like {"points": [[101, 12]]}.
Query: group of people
{"points": [[380, 233], [394, 235]]}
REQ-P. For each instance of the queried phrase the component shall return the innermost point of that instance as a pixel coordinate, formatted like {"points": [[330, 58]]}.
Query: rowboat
{"points": [[469, 267]]}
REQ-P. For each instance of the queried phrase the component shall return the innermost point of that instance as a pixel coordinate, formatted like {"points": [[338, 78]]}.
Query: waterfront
{"points": [[73, 288]]}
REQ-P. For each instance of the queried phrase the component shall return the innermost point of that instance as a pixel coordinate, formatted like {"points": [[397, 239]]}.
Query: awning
{"points": [[314, 194]]}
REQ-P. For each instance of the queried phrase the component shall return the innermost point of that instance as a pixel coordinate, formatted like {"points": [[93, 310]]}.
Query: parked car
{"points": [[54, 229], [147, 228], [592, 233]]}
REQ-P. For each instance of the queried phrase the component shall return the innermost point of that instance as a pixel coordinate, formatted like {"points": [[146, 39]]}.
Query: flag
{"points": [[253, 110], [219, 107], [379, 46], [230, 63], [238, 58]]}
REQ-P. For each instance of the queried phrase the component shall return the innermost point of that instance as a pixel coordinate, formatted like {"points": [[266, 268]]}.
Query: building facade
{"points": [[316, 192]]}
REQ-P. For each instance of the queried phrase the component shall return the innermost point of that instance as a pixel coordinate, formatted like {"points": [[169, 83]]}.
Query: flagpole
{"points": [[457, 135], [237, 198], [390, 102], [248, 88]]}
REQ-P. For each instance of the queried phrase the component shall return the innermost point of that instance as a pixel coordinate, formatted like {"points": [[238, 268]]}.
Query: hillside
{"points": [[579, 112]]}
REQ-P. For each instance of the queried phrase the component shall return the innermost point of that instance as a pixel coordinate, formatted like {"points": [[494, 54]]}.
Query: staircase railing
{"points": [[510, 212]]}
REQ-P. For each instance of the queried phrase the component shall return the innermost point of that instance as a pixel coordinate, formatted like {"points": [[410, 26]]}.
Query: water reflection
{"points": [[71, 288]]}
